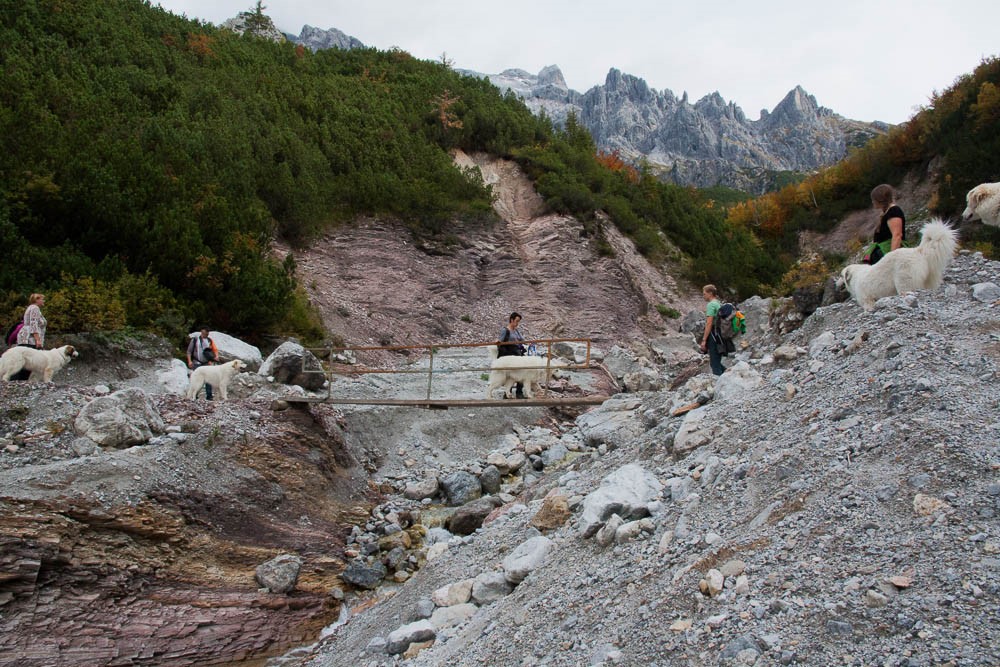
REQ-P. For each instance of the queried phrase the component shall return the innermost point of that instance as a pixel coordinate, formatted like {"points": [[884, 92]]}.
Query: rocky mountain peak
{"points": [[798, 106], [317, 39], [254, 23], [552, 76], [631, 87], [710, 142]]}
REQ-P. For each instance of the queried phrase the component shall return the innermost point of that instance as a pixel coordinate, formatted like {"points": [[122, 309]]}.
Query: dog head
{"points": [[972, 200], [843, 280], [849, 275], [237, 365], [69, 351]]}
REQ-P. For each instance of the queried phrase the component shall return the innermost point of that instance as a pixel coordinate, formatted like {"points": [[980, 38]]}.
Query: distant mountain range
{"points": [[707, 143], [710, 142]]}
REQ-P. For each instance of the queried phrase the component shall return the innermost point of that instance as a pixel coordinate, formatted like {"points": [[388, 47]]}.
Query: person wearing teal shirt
{"points": [[710, 342]]}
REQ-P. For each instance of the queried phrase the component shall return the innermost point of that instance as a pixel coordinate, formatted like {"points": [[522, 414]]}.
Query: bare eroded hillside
{"points": [[375, 286]]}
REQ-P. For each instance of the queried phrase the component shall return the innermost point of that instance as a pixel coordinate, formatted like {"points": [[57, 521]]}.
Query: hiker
{"points": [[510, 333], [201, 351], [711, 342], [890, 233], [32, 332]]}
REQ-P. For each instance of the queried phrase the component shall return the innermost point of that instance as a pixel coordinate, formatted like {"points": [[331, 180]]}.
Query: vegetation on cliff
{"points": [[147, 162], [960, 127]]}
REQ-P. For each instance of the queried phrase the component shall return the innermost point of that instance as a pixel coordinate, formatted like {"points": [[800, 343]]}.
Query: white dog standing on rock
{"points": [[903, 269], [218, 376], [510, 370], [983, 203], [42, 363]]}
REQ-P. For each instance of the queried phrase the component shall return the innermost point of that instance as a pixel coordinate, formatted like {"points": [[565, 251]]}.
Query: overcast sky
{"points": [[865, 59]]}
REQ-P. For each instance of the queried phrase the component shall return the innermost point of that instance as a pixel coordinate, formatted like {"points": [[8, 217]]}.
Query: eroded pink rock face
{"points": [[374, 286], [149, 558]]}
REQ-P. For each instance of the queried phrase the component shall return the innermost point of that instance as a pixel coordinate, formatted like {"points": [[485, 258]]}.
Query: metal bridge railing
{"points": [[430, 371]]}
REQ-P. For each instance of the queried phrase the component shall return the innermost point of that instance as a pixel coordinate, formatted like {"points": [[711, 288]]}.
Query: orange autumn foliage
{"points": [[613, 162]]}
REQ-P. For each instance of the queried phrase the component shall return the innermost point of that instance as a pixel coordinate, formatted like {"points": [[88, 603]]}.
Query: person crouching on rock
{"points": [[201, 351]]}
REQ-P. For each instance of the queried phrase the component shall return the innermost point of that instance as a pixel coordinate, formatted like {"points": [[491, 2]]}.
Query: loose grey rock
{"points": [[362, 574], [400, 639], [461, 487], [527, 557], [489, 587], [280, 574]]}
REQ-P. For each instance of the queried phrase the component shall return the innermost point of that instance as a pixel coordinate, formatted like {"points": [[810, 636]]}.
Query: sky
{"points": [[865, 60]]}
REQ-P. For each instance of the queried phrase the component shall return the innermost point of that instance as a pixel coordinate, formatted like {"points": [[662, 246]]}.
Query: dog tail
{"points": [[938, 243], [493, 352]]}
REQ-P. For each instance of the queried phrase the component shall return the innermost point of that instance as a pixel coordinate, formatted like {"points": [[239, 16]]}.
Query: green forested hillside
{"points": [[147, 161]]}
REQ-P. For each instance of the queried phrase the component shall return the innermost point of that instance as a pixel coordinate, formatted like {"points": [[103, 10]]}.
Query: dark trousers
{"points": [[714, 357]]}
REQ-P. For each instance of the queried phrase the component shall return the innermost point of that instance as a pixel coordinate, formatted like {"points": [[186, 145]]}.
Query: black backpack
{"points": [[509, 350], [729, 321]]}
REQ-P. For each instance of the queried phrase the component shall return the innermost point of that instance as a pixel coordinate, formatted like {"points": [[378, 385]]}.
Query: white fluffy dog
{"points": [[905, 269], [218, 376], [42, 363], [983, 203], [510, 370]]}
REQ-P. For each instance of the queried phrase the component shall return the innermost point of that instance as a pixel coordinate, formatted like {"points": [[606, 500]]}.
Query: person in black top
{"points": [[514, 345], [510, 333], [891, 231]]}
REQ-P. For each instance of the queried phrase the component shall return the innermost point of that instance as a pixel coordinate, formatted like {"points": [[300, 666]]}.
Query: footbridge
{"points": [[546, 362]]}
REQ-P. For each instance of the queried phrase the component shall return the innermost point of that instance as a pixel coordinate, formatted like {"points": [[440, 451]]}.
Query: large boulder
{"points": [[293, 364], [122, 419], [174, 378], [400, 639], [468, 518], [233, 348], [757, 311], [366, 574], [489, 587], [280, 574], [697, 430], [620, 362], [737, 380], [626, 492], [526, 558], [614, 423], [461, 487]]}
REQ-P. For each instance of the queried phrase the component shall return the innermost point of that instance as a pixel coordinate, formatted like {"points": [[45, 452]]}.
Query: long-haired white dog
{"points": [[905, 269], [983, 203], [41, 363], [218, 376], [510, 370]]}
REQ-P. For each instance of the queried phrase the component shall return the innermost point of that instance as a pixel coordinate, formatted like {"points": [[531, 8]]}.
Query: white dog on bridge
{"points": [[983, 203], [510, 370]]}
